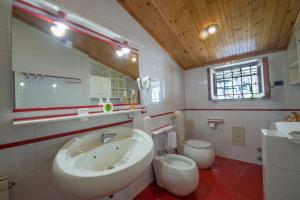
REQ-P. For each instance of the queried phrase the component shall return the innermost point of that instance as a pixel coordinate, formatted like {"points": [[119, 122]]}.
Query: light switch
{"points": [[238, 136]]}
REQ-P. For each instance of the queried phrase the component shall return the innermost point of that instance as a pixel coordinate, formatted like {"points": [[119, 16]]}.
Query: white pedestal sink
{"points": [[87, 168]]}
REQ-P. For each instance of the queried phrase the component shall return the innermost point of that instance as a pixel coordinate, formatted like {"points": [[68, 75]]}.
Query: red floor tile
{"points": [[226, 180]]}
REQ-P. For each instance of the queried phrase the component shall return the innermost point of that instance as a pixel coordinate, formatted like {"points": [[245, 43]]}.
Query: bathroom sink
{"points": [[87, 168]]}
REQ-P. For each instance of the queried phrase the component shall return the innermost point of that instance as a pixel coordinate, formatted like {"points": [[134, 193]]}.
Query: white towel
{"points": [[171, 140], [290, 129]]}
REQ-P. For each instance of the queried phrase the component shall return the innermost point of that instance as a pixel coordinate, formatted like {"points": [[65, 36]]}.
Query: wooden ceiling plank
{"points": [[143, 15], [230, 12], [258, 8], [200, 16], [277, 24], [247, 27], [199, 24], [220, 37], [269, 16], [178, 20], [288, 23]]}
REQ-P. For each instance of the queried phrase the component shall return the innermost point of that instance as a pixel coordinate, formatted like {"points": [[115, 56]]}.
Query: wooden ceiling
{"points": [[97, 50], [247, 27]]}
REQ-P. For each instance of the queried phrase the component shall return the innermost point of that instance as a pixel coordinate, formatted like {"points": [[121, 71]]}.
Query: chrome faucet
{"points": [[106, 137]]}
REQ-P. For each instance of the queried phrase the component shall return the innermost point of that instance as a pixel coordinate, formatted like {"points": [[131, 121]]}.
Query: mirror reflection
{"points": [[56, 65]]}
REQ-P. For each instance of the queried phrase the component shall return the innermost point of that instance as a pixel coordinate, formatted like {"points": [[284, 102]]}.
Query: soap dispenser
{"points": [[108, 106]]}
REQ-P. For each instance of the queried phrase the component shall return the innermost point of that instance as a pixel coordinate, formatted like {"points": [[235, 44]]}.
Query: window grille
{"points": [[237, 81]]}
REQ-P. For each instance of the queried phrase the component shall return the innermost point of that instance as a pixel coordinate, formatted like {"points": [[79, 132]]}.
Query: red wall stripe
{"points": [[161, 127], [51, 137], [162, 114], [34, 140]]}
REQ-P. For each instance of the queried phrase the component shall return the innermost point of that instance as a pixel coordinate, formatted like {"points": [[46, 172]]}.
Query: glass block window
{"points": [[237, 81]]}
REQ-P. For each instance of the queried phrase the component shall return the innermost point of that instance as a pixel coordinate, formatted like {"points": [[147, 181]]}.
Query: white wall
{"points": [[197, 97], [30, 165]]}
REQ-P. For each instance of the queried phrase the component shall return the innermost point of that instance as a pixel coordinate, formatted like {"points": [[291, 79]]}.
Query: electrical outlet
{"points": [[238, 136]]}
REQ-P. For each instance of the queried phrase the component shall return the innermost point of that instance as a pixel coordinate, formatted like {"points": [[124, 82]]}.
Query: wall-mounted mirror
{"points": [[58, 64]]}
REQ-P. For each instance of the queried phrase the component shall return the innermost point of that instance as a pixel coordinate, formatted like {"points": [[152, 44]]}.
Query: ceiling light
{"points": [[54, 85], [212, 28], [59, 29], [133, 59], [125, 50], [22, 84], [119, 53], [203, 34]]}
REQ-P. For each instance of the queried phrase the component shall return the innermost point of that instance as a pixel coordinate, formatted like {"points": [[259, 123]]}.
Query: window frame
{"points": [[265, 81]]}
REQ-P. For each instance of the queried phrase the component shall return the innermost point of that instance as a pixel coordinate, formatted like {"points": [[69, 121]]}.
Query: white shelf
{"points": [[64, 118]]}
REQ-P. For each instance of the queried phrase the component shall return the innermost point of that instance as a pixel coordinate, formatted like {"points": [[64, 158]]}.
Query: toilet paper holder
{"points": [[212, 123]]}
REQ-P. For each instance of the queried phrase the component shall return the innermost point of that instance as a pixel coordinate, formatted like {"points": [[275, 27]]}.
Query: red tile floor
{"points": [[226, 180]]}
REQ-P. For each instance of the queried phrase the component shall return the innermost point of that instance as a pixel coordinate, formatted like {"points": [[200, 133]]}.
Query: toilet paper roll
{"points": [[212, 125]]}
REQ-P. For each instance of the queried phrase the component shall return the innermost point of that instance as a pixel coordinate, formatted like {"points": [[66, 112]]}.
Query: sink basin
{"points": [[86, 168]]}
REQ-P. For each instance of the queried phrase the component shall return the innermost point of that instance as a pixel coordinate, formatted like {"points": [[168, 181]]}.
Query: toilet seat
{"points": [[198, 144]]}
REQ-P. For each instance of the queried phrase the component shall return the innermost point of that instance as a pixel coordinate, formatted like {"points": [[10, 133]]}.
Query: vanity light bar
{"points": [[50, 17]]}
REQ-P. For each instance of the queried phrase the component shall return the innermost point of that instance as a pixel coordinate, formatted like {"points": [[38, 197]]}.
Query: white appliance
{"points": [[281, 163]]}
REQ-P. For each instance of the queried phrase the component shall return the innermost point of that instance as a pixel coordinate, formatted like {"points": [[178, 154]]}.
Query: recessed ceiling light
{"points": [[133, 59], [59, 29], [119, 53], [212, 28], [203, 34]]}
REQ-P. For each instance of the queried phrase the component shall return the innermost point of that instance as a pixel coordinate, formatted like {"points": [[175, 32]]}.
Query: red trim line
{"points": [[59, 135], [158, 115], [241, 109]]}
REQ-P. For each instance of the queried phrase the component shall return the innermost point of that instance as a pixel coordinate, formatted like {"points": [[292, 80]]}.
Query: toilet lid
{"points": [[198, 144]]}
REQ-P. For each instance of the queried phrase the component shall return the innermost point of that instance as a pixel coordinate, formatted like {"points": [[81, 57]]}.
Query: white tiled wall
{"points": [[197, 97], [29, 165]]}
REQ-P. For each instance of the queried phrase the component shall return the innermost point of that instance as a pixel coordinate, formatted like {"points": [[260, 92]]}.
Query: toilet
{"points": [[200, 151], [177, 174]]}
